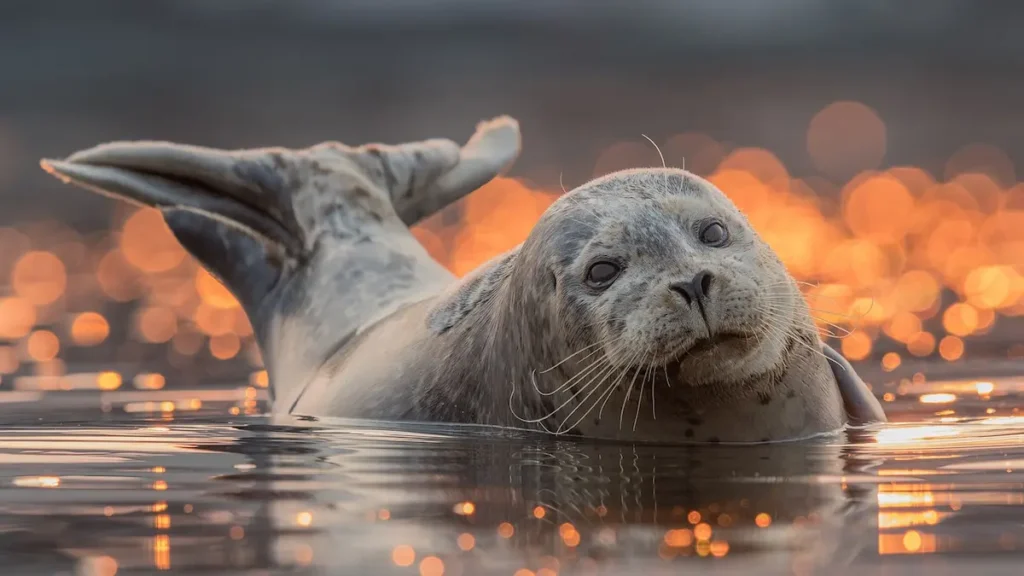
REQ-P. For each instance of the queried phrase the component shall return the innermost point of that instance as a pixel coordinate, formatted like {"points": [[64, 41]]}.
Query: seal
{"points": [[645, 291]]}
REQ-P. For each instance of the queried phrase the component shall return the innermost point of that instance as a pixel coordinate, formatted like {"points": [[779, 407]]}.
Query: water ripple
{"points": [[135, 493]]}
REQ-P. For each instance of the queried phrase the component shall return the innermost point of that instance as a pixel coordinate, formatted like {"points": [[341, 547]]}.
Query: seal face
{"points": [[642, 290], [660, 269]]}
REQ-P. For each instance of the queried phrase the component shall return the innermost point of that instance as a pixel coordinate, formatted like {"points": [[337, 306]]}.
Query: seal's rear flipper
{"points": [[862, 407], [255, 218], [230, 229], [264, 209]]}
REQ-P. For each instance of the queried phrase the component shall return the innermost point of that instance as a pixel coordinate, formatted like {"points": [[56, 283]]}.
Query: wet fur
{"points": [[355, 319]]}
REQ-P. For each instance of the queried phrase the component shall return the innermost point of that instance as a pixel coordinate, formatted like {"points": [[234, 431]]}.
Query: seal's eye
{"points": [[602, 274], [714, 234]]}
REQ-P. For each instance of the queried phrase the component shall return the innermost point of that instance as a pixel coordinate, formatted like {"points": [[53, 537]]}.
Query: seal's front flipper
{"points": [[862, 407]]}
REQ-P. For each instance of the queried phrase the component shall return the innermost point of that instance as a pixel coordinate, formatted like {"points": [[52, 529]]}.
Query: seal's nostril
{"points": [[702, 283], [684, 289], [696, 290]]}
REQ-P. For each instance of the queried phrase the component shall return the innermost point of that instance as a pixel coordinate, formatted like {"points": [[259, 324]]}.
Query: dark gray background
{"points": [[579, 74]]}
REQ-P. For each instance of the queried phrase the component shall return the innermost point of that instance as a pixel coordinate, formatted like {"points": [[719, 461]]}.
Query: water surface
{"points": [[196, 482]]}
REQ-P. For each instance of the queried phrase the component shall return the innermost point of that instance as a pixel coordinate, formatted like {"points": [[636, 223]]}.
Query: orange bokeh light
{"points": [[431, 566], [213, 292], [856, 346], [922, 344], [116, 277], [846, 137], [156, 324], [225, 346], [960, 319], [213, 320], [951, 348], [148, 244], [403, 555], [17, 317], [43, 346], [39, 277], [891, 361], [108, 381], [759, 163], [9, 362], [89, 329], [879, 209], [679, 538], [981, 158], [698, 153]]}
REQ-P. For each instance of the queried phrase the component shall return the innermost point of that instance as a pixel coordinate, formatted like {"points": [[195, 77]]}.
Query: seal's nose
{"points": [[696, 290]]}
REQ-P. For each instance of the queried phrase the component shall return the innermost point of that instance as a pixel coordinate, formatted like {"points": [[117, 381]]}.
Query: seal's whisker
{"points": [[662, 156], [584, 371], [786, 302], [629, 391], [629, 365], [636, 371], [842, 331], [640, 396], [777, 326], [795, 336], [597, 387], [560, 406], [605, 394], [663, 165], [784, 298], [608, 395], [654, 408], [610, 391], [778, 313], [568, 383], [580, 351], [604, 363]]}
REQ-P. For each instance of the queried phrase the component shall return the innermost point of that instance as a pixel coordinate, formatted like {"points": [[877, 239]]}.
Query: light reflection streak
{"points": [[36, 482], [937, 398], [910, 542], [994, 495], [908, 436], [162, 552], [901, 519]]}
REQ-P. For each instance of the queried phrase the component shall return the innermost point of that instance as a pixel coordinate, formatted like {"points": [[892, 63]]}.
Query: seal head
{"points": [[663, 270]]}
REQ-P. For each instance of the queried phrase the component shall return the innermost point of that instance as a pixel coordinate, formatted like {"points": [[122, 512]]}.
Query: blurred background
{"points": [[874, 144]]}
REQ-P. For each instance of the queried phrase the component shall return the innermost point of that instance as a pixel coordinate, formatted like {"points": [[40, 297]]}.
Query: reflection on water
{"points": [[210, 489]]}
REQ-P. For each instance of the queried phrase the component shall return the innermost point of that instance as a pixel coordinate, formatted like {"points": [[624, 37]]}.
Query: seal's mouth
{"points": [[729, 340]]}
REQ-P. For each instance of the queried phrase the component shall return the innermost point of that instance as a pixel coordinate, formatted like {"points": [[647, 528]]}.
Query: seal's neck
{"points": [[501, 345]]}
